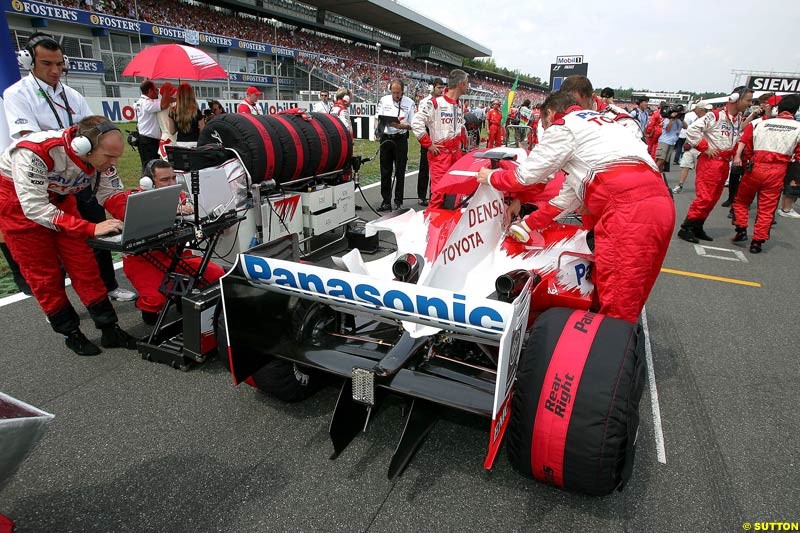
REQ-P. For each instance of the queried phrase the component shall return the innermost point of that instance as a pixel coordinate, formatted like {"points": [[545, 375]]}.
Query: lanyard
{"points": [[52, 103]]}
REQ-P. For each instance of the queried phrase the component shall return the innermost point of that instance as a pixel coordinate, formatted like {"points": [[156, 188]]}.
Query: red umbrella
{"points": [[174, 61]]}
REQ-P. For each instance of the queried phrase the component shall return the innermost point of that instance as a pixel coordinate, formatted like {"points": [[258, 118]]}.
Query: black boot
{"points": [[755, 246], [149, 318], [700, 233], [78, 343], [66, 321], [115, 337], [741, 234], [19, 280], [687, 232]]}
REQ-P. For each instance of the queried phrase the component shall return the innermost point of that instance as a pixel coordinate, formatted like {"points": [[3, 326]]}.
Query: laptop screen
{"points": [[150, 212]]}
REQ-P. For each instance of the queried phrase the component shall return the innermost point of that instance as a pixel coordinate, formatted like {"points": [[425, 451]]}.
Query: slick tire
{"points": [[575, 409], [287, 381], [278, 378]]}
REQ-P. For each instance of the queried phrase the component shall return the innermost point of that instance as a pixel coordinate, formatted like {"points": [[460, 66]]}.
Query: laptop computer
{"points": [[148, 215]]}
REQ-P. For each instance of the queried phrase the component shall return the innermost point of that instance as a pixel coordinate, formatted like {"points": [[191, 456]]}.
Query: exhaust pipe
{"points": [[407, 267], [510, 284]]}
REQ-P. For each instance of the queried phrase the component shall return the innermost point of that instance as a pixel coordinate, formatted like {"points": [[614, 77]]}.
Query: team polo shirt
{"points": [[27, 107]]}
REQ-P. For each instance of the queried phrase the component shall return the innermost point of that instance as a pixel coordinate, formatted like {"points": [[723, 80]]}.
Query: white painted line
{"points": [[19, 296], [702, 251], [661, 451], [377, 183]]}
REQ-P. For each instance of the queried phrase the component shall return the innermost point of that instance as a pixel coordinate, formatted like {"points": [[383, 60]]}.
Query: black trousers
{"points": [[424, 174], [148, 149], [93, 212], [394, 156]]}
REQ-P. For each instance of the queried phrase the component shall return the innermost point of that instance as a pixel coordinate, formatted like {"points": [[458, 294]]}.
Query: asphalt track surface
{"points": [[138, 446]]}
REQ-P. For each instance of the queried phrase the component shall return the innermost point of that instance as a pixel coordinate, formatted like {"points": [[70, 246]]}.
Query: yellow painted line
{"points": [[712, 278]]}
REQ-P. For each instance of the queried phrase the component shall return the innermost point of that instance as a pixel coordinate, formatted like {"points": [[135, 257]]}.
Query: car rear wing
{"points": [[482, 320]]}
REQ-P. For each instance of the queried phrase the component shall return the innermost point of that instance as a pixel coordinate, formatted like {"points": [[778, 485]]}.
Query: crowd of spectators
{"points": [[347, 63]]}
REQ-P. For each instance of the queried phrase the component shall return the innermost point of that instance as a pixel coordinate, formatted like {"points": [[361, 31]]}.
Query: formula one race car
{"points": [[460, 316]]}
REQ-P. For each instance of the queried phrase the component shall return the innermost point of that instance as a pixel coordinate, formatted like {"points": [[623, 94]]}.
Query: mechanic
{"points": [[41, 101], [248, 105], [437, 87], [341, 108], [610, 176], [394, 143], [38, 178], [439, 127], [146, 274], [653, 131], [715, 136], [494, 117], [766, 103], [580, 88], [774, 142]]}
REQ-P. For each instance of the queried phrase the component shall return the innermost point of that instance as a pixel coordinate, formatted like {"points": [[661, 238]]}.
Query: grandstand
{"points": [[281, 46]]}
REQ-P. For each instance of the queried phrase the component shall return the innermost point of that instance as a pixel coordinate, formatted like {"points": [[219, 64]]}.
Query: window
{"points": [[87, 49], [121, 43]]}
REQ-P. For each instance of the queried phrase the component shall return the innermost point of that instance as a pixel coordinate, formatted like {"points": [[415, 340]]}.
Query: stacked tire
{"points": [[284, 146], [575, 409]]}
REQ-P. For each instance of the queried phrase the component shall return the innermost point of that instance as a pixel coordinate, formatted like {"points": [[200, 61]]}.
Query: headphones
{"points": [[27, 56], [83, 144], [346, 98], [146, 182], [737, 93]]}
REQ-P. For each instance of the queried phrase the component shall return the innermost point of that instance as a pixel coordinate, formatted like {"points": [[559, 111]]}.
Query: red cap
{"points": [[253, 90], [774, 100]]}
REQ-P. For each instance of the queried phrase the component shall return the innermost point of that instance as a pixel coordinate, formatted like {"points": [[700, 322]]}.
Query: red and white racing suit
{"points": [[248, 108], [341, 109], [773, 142], [147, 273], [652, 131], [619, 115], [494, 117], [440, 121], [717, 129], [39, 218], [610, 174]]}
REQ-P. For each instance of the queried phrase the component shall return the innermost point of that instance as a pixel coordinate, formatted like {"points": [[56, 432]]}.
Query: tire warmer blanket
{"points": [[559, 389], [268, 146]]}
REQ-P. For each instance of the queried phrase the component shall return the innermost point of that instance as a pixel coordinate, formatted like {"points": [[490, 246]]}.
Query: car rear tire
{"points": [[287, 381], [577, 430], [278, 378]]}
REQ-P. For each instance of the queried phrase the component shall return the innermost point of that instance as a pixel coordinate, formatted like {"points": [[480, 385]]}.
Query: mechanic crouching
{"points": [[147, 272], [610, 176], [39, 176]]}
